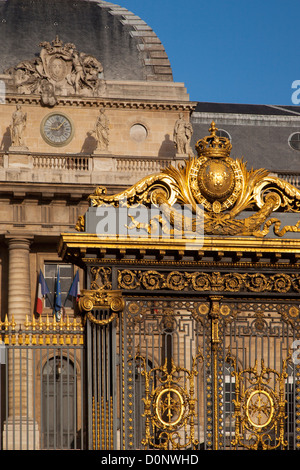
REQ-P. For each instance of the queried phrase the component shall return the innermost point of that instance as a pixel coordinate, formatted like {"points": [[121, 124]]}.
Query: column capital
{"points": [[18, 241]]}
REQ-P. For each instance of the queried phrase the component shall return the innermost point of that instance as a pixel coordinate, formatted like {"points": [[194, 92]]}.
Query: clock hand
{"points": [[57, 128]]}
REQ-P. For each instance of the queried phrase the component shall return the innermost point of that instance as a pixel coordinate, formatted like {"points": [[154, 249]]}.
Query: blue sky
{"points": [[229, 51]]}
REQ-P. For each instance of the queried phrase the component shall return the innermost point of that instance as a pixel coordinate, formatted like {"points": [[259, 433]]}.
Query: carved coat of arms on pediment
{"points": [[60, 70]]}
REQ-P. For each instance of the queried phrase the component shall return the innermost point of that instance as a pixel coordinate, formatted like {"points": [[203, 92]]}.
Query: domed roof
{"points": [[124, 44]]}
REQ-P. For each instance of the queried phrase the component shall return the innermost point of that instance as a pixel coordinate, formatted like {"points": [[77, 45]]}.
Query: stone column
{"points": [[20, 430], [19, 291]]}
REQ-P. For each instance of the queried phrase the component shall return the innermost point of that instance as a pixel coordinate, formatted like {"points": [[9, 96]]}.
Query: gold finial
{"points": [[213, 129]]}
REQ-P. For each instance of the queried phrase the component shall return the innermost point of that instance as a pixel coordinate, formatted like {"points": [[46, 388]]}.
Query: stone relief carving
{"points": [[17, 127], [182, 135], [60, 70]]}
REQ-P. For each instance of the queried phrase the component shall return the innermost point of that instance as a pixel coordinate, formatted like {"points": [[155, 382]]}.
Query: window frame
{"points": [[291, 138]]}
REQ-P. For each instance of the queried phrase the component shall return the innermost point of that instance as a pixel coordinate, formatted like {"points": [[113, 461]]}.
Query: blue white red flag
{"points": [[74, 290], [42, 292]]}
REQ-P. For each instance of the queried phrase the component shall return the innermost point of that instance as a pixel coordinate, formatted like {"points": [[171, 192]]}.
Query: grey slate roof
{"points": [[255, 109], [259, 133], [125, 45]]}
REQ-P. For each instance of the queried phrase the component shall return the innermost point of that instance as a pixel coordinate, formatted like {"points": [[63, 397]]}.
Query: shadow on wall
{"points": [[167, 148], [89, 145], [6, 140]]}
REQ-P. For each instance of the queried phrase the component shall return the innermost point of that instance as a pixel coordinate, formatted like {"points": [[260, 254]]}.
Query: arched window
{"points": [[58, 403], [223, 133]]}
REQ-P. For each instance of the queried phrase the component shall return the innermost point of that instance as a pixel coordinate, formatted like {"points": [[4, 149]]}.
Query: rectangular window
{"points": [[66, 278]]}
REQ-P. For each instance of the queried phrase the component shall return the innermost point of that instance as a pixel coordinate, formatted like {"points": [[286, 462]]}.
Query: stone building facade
{"points": [[88, 101], [45, 182]]}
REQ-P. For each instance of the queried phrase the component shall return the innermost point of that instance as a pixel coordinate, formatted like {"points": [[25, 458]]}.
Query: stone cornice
{"points": [[76, 192], [246, 119], [112, 103]]}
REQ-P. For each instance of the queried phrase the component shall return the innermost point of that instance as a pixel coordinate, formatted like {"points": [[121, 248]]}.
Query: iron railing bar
{"points": [[105, 397], [89, 387], [82, 400], [98, 385], [95, 394], [122, 336], [7, 394], [13, 362], [68, 401], [54, 402], [27, 396], [114, 385], [107, 388], [42, 442], [75, 423], [20, 399], [34, 394], [61, 428], [47, 410]]}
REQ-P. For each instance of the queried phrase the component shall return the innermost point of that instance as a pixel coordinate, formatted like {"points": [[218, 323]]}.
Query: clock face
{"points": [[57, 129]]}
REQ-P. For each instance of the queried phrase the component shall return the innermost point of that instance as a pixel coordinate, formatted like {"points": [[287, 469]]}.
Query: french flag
{"points": [[42, 292]]}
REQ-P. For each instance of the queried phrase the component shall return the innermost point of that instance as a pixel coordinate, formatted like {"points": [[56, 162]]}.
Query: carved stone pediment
{"points": [[60, 70]]}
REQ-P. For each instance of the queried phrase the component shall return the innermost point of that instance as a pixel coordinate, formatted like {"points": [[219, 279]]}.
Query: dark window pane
{"points": [[66, 278], [295, 141]]}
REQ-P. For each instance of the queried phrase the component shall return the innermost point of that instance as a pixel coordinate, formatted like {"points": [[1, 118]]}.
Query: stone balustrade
{"points": [[79, 168]]}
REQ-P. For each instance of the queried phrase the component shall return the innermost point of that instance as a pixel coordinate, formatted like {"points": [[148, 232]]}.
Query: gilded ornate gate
{"points": [[207, 371], [192, 315]]}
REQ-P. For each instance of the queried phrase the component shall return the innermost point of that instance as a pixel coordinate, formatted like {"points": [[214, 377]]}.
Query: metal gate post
{"points": [[215, 340], [101, 308]]}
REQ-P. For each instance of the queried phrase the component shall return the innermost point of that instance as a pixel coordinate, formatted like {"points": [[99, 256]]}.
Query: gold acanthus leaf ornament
{"points": [[218, 189]]}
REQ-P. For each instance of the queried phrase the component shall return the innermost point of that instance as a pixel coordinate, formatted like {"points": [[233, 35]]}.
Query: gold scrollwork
{"points": [[102, 322], [80, 225], [215, 281], [100, 277], [90, 299], [169, 405], [259, 406]]}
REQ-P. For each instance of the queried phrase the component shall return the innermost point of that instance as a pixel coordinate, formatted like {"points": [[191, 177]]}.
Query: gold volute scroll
{"points": [[218, 189], [90, 299]]}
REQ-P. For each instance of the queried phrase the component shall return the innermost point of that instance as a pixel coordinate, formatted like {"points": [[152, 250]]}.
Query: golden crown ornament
{"points": [[213, 145], [215, 179]]}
